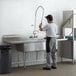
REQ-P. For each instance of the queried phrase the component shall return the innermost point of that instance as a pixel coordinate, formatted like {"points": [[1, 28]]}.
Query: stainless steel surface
{"points": [[22, 44], [68, 47], [11, 41], [64, 24], [18, 39]]}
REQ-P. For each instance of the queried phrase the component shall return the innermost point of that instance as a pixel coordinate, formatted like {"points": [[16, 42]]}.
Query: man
{"points": [[51, 31]]}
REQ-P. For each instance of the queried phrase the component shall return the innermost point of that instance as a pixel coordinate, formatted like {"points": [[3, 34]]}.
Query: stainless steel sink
{"points": [[27, 44], [18, 39]]}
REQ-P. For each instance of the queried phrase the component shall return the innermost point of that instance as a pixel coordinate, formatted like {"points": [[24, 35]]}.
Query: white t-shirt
{"points": [[51, 29]]}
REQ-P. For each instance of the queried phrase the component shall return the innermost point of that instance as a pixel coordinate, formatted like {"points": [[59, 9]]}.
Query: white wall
{"points": [[17, 16]]}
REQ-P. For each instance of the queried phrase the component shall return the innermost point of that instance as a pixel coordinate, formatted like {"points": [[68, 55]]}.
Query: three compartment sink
{"points": [[22, 43]]}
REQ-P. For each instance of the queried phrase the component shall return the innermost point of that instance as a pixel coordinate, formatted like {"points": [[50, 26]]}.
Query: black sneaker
{"points": [[53, 67], [46, 68]]}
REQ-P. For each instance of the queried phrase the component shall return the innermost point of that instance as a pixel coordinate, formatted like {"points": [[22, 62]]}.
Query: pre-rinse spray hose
{"points": [[36, 15]]}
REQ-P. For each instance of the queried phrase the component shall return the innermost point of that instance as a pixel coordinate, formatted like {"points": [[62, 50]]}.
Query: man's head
{"points": [[49, 18]]}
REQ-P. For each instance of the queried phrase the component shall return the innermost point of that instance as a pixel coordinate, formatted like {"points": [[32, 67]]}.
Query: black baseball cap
{"points": [[50, 17]]}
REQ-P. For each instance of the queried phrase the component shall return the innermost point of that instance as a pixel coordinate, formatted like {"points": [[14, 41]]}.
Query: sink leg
{"points": [[61, 59], [73, 61], [36, 56], [18, 58], [24, 58]]}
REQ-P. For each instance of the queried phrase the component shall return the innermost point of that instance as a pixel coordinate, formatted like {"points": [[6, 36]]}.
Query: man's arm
{"points": [[40, 27]]}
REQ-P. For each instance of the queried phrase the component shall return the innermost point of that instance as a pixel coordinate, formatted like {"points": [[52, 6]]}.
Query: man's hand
{"points": [[40, 27]]}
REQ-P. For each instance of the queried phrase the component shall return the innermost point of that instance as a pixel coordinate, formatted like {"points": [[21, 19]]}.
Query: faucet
{"points": [[35, 31], [36, 14]]}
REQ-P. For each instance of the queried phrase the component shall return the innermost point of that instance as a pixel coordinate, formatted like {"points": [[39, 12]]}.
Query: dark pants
{"points": [[50, 51]]}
